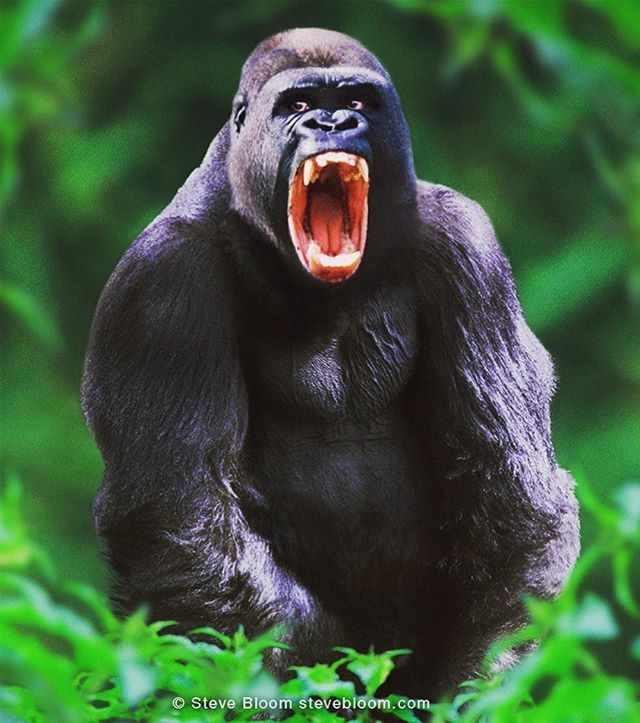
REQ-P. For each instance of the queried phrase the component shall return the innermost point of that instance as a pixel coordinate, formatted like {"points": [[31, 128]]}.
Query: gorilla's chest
{"points": [[354, 368], [336, 448]]}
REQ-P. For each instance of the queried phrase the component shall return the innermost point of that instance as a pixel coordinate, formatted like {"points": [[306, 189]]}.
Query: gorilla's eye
{"points": [[355, 104], [300, 106]]}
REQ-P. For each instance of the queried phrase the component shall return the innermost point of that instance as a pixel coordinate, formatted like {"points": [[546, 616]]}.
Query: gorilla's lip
{"points": [[327, 213]]}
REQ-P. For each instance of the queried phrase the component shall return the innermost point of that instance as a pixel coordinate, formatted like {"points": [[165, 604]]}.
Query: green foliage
{"points": [[531, 108], [65, 657]]}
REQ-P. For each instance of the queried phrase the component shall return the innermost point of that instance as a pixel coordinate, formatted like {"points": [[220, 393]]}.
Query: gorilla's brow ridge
{"points": [[340, 77], [332, 82]]}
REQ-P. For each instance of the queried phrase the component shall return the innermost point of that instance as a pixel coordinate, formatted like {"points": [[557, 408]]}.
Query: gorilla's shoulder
{"points": [[170, 237], [171, 249], [448, 215], [175, 266]]}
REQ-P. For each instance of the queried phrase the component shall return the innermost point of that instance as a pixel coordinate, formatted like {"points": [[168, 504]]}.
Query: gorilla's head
{"points": [[320, 160]]}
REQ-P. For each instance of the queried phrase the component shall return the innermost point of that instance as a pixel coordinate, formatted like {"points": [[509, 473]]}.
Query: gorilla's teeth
{"points": [[307, 172], [319, 260], [341, 261], [359, 166], [364, 169]]}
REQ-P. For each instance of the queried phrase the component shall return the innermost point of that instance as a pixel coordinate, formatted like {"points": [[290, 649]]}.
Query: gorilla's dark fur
{"points": [[369, 461]]}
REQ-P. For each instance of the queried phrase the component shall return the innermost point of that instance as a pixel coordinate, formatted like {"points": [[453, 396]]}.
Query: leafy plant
{"points": [[64, 656]]}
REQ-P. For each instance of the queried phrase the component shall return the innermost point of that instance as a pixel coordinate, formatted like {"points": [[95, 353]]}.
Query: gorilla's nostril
{"points": [[347, 124], [315, 125], [337, 123]]}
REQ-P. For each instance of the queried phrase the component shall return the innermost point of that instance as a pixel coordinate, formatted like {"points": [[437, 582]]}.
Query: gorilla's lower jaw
{"points": [[328, 214]]}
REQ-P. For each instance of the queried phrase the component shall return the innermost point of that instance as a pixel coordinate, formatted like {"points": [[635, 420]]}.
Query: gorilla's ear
{"points": [[239, 112]]}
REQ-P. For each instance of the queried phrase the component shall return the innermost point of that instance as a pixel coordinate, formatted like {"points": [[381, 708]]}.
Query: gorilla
{"points": [[317, 400]]}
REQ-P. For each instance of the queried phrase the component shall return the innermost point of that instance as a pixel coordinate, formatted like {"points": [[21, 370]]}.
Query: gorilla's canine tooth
{"points": [[364, 169], [313, 253], [307, 172], [347, 245]]}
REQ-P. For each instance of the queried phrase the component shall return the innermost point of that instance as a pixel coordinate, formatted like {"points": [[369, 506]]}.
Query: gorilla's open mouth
{"points": [[328, 213]]}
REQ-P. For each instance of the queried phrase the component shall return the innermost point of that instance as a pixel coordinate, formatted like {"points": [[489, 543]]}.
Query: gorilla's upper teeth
{"points": [[364, 169], [308, 172], [311, 167]]}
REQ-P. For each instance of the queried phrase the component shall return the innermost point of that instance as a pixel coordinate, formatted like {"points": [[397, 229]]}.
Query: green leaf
{"points": [[628, 501], [622, 566], [596, 699], [35, 318], [321, 680], [567, 281], [137, 677], [592, 620]]}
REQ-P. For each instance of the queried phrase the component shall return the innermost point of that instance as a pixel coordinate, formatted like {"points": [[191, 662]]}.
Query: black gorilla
{"points": [[315, 394]]}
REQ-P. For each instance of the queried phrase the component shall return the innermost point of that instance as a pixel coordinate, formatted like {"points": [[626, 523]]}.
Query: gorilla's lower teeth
{"points": [[321, 261]]}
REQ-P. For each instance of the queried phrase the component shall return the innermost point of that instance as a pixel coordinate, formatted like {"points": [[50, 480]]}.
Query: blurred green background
{"points": [[530, 108]]}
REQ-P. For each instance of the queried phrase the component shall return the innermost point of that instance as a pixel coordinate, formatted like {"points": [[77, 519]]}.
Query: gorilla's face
{"points": [[311, 153]]}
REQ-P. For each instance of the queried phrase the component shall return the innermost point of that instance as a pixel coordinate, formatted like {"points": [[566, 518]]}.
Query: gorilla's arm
{"points": [[508, 516], [165, 398]]}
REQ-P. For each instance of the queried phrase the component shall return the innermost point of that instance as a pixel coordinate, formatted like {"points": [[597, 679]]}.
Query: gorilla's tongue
{"points": [[326, 218]]}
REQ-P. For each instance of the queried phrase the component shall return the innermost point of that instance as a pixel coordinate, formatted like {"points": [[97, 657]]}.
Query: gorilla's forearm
{"points": [[205, 567]]}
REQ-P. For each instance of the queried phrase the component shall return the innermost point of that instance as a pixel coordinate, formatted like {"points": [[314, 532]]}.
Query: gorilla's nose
{"points": [[320, 122]]}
